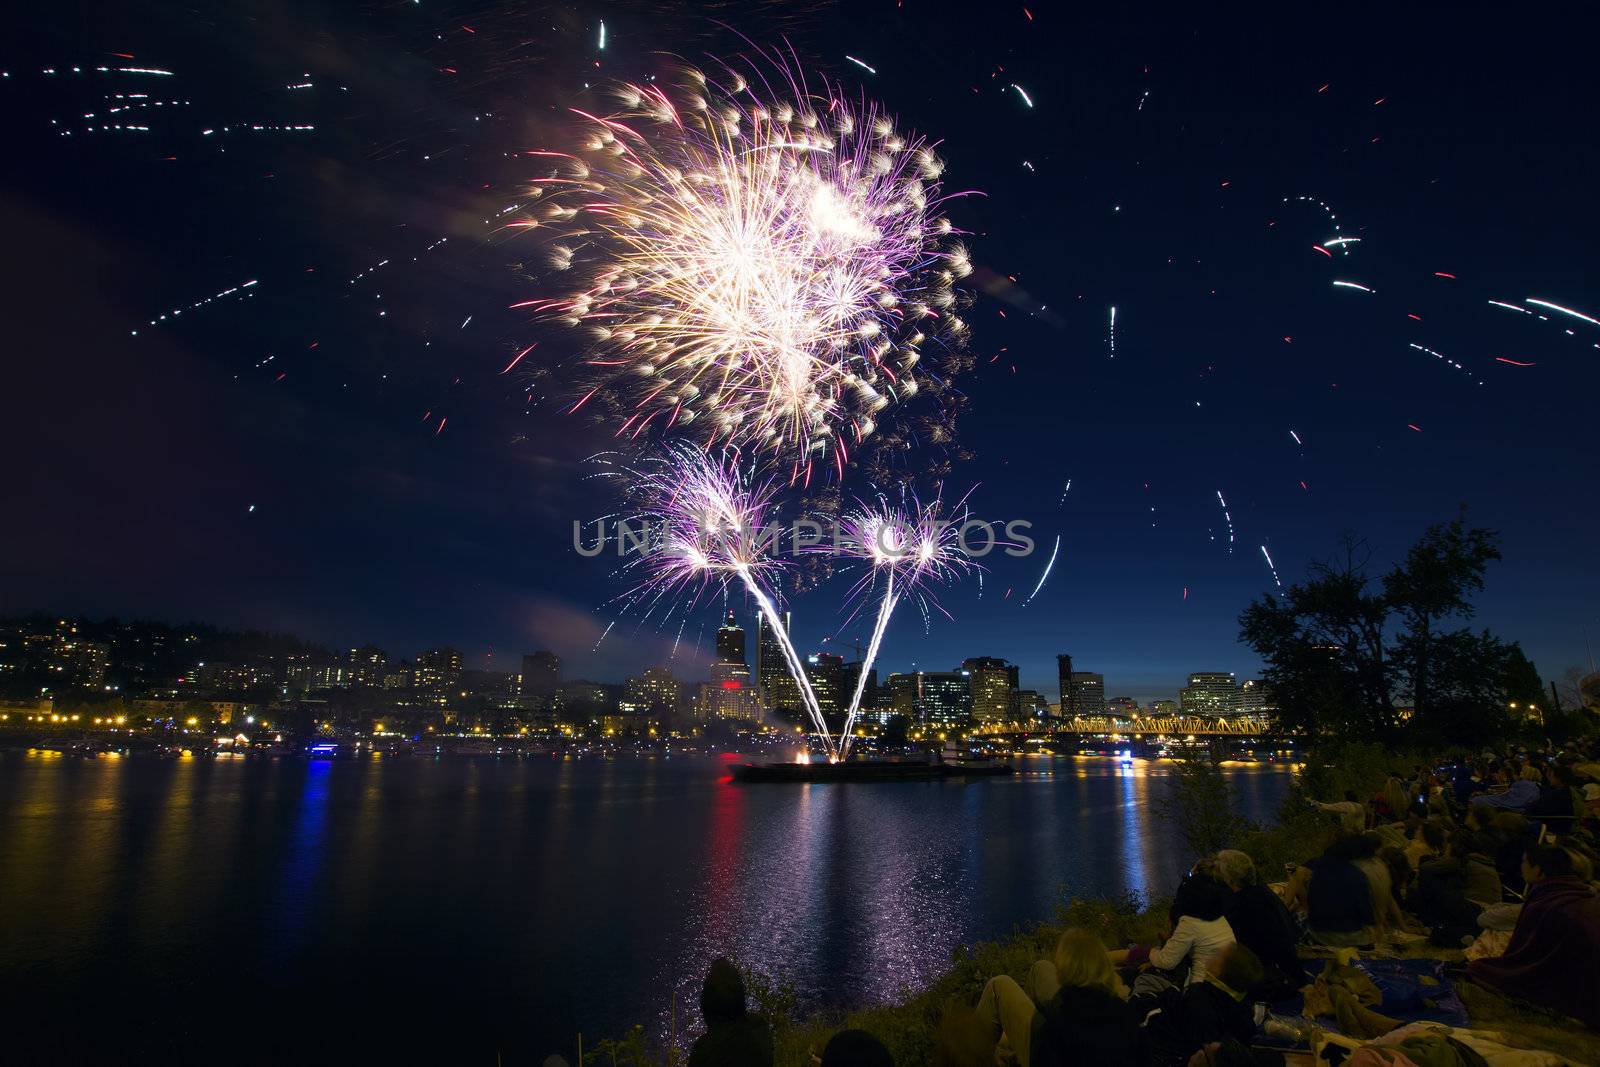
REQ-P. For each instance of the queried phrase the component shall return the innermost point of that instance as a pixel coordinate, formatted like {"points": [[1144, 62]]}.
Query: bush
{"points": [[1201, 801]]}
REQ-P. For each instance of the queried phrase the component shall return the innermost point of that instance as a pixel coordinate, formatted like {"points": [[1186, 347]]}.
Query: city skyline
{"points": [[373, 666]]}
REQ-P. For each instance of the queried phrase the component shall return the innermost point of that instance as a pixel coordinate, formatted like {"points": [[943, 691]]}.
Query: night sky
{"points": [[274, 459]]}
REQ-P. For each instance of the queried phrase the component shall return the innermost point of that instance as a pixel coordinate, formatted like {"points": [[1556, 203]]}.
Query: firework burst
{"points": [[706, 518], [763, 268], [911, 549]]}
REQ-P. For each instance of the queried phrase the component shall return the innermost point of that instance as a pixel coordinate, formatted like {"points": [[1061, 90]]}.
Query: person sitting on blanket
{"points": [[1261, 922], [1216, 1007], [1201, 934], [1553, 959]]}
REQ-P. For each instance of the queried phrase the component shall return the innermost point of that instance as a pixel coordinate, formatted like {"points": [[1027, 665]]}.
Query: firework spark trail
{"points": [[1046, 575], [175, 312], [1111, 338], [1340, 240], [1227, 517], [766, 266], [1297, 440], [1444, 359], [603, 634], [1271, 566], [885, 609], [1564, 310], [1354, 285]]}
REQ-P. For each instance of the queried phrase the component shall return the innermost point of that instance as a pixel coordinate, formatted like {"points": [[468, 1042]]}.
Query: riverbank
{"points": [[909, 1027]]}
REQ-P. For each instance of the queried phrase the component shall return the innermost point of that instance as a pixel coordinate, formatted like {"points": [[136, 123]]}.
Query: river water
{"points": [[480, 909]]}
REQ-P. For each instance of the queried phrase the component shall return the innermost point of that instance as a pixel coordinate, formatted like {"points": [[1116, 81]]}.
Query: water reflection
{"points": [[537, 897]]}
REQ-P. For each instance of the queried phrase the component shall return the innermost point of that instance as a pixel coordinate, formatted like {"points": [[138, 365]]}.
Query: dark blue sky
{"points": [[134, 462]]}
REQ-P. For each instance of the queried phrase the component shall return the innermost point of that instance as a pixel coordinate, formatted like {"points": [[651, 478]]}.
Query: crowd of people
{"points": [[1495, 855]]}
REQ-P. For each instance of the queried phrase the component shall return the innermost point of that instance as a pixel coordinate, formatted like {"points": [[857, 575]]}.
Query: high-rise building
{"points": [[992, 682], [1165, 707], [1209, 693], [1255, 698], [851, 677], [825, 671], [436, 668], [730, 641], [541, 677], [777, 686], [1068, 706], [652, 695], [941, 699], [368, 665], [1088, 693]]}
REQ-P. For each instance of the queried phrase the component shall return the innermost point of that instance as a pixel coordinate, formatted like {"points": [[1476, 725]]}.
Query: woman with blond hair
{"points": [[1075, 1009]]}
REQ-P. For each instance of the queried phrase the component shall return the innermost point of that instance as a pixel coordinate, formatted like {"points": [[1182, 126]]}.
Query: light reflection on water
{"points": [[534, 897]]}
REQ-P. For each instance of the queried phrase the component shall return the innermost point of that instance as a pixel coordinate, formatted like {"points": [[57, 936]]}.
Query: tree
{"points": [[1351, 657]]}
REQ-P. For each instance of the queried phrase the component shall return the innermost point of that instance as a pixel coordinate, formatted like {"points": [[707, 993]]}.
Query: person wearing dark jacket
{"points": [[1339, 907], [1076, 1010], [1261, 922], [1553, 959], [1219, 1008], [733, 1037]]}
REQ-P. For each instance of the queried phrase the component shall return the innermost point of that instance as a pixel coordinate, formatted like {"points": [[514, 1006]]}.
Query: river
{"points": [[374, 911]]}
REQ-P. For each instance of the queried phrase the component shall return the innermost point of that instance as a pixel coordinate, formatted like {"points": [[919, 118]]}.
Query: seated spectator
{"points": [[1260, 921], [733, 1037], [1201, 934], [1553, 959], [1426, 844], [1075, 1010], [1453, 889], [1218, 1007], [1339, 897], [855, 1048], [1520, 795], [1352, 813], [1555, 799]]}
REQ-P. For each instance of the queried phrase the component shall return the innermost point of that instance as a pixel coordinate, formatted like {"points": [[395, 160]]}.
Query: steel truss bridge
{"points": [[1169, 726]]}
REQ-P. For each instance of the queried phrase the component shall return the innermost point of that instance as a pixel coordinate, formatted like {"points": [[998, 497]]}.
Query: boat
{"points": [[869, 770]]}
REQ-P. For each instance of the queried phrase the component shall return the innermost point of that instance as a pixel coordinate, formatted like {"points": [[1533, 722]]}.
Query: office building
{"points": [[776, 685], [825, 671], [992, 681], [937, 699], [1209, 693], [1088, 693]]}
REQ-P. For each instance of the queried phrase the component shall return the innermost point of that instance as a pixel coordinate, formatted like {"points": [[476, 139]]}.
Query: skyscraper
{"points": [[825, 671], [1069, 697], [992, 682], [778, 690], [730, 641]]}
